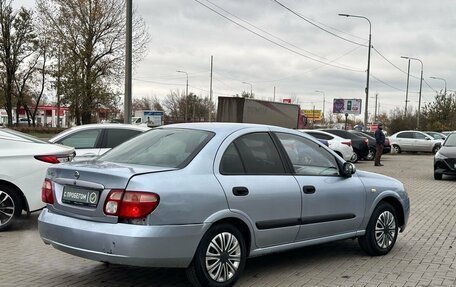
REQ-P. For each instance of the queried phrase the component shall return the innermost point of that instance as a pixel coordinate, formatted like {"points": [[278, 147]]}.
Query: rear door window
{"points": [[114, 137], [405, 135], [82, 139], [257, 153]]}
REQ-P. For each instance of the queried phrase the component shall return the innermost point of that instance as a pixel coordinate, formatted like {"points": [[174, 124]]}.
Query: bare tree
{"points": [[17, 44], [91, 38]]}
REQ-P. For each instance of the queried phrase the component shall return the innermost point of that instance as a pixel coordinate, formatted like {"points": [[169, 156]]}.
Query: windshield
{"points": [[436, 136], [160, 147], [451, 140]]}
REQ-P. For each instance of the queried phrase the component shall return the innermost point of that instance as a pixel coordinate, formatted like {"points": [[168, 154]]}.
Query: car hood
{"points": [[108, 174], [379, 182], [448, 151]]}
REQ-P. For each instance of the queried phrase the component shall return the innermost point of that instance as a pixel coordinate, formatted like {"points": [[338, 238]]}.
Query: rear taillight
{"points": [[47, 195], [54, 158], [130, 204], [347, 143]]}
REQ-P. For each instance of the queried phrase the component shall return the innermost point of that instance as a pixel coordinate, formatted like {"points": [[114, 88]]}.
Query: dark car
{"points": [[372, 146], [359, 143], [445, 158]]}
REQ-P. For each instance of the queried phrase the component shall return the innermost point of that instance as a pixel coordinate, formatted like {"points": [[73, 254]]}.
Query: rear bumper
{"points": [[126, 244]]}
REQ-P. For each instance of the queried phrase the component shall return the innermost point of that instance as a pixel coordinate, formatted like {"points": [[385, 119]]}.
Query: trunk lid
{"points": [[80, 188]]}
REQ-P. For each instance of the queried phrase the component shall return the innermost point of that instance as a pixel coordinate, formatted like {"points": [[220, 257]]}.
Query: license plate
{"points": [[80, 196]]}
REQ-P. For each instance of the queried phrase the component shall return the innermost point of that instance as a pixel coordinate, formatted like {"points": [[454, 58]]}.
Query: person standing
{"points": [[379, 143]]}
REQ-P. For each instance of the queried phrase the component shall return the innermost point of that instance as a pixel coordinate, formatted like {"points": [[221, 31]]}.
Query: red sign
{"points": [[287, 101]]}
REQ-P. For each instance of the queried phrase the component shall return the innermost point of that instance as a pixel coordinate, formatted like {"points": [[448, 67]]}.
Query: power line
{"points": [[319, 27], [385, 83], [262, 30], [274, 42]]}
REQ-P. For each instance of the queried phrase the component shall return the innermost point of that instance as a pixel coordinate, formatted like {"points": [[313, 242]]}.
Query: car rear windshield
{"points": [[15, 135], [160, 147]]}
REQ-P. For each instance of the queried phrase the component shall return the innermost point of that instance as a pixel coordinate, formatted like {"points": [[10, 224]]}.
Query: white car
{"points": [[343, 147], [414, 141], [23, 163], [93, 140]]}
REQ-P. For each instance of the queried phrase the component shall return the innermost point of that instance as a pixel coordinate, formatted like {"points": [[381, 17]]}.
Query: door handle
{"points": [[308, 189], [240, 191]]}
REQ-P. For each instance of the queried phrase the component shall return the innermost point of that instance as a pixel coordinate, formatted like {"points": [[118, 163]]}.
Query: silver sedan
{"points": [[207, 196]]}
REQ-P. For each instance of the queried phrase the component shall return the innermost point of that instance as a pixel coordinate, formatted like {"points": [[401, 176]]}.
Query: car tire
{"points": [[435, 149], [371, 154], [10, 206], [396, 148], [381, 232], [203, 270], [438, 175], [354, 158]]}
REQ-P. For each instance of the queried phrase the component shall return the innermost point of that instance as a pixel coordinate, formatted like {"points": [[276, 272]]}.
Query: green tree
{"points": [[440, 115], [17, 44], [90, 35], [398, 121]]}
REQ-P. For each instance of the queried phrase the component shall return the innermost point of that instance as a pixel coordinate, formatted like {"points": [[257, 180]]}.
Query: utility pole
{"points": [[376, 98], [128, 61], [58, 89], [210, 89], [274, 94], [421, 86], [406, 91], [368, 63]]}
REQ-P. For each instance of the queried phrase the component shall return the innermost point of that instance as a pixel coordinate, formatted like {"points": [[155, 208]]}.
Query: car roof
{"points": [[111, 125], [226, 128], [325, 133]]}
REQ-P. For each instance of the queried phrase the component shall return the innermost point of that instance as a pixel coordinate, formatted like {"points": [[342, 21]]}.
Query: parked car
{"points": [[414, 141], [436, 135], [205, 196], [360, 144], [341, 146], [94, 140], [373, 145], [387, 145], [445, 158], [23, 163], [446, 133]]}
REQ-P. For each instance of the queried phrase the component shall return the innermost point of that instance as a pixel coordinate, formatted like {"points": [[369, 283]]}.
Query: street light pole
{"points": [[324, 100], [437, 78], [186, 94], [251, 88], [368, 63], [421, 86]]}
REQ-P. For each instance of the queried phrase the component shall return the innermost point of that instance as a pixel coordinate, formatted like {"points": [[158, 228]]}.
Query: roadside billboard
{"points": [[313, 115], [347, 106]]}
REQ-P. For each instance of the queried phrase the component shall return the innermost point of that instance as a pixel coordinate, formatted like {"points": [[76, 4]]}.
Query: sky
{"points": [[262, 44]]}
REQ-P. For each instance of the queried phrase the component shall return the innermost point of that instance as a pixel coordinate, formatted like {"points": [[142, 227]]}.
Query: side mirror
{"points": [[428, 139], [348, 169]]}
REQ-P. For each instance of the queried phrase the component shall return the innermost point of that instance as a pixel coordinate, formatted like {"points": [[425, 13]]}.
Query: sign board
{"points": [[153, 118], [287, 101], [349, 106], [313, 115]]}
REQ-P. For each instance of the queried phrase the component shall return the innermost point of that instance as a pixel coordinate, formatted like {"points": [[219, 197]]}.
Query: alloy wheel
{"points": [[385, 229], [7, 208], [223, 257]]}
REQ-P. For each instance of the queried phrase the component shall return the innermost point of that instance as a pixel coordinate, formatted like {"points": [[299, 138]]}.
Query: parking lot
{"points": [[424, 255]]}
